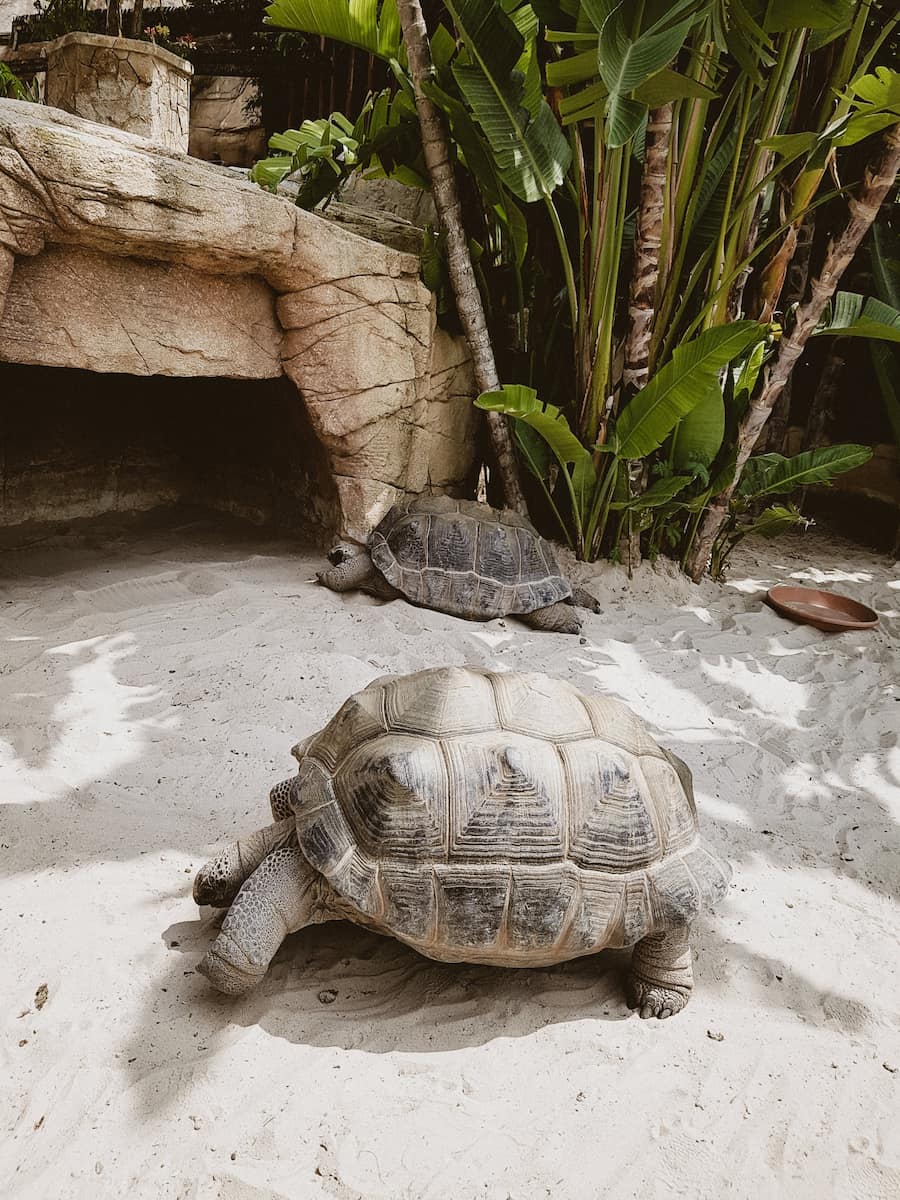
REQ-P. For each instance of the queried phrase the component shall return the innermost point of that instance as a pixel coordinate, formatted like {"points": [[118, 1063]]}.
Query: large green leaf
{"points": [[807, 14], [672, 392], [775, 520], [853, 315], [527, 143], [356, 22], [627, 61], [659, 493], [668, 85], [522, 403], [877, 101], [775, 475]]}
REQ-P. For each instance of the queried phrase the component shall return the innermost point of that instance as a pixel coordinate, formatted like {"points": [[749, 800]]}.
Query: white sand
{"points": [[150, 692]]}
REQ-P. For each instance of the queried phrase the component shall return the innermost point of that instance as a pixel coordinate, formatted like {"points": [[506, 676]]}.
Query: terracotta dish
{"points": [[824, 610]]}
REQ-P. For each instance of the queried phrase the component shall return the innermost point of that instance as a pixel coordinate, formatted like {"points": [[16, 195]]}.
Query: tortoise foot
{"points": [[232, 975], [661, 980], [651, 1000]]}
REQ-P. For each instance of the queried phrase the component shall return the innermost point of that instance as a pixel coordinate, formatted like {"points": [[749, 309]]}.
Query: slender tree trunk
{"points": [[114, 18], [797, 279], [436, 149], [137, 18], [878, 178], [648, 235], [825, 399], [647, 241]]}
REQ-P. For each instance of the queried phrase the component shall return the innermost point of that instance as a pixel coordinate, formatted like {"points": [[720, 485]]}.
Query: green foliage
{"points": [[686, 381], [852, 315], [12, 88], [499, 79], [322, 154], [765, 101], [371, 25], [775, 475]]}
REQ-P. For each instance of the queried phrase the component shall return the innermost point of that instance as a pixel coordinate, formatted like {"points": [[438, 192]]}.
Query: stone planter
{"points": [[136, 86]]}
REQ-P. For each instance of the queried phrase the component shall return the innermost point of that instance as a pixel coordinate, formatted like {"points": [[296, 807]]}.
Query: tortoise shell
{"points": [[501, 818], [466, 559]]}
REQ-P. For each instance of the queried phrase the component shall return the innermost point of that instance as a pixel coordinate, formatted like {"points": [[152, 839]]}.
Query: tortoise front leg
{"points": [[217, 883], [555, 618], [661, 978], [276, 900]]}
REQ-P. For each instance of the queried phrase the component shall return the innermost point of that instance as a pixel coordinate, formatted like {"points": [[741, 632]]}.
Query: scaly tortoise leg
{"points": [[352, 571], [661, 978], [218, 882], [280, 799], [555, 618], [276, 900]]}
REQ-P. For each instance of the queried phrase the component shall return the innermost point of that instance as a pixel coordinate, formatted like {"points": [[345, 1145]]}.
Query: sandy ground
{"points": [[150, 692]]}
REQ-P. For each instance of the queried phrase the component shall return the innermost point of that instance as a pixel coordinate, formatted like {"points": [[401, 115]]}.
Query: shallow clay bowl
{"points": [[824, 610]]}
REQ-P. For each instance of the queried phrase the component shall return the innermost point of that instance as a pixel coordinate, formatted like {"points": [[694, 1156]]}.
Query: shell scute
{"points": [[540, 707], [540, 902], [409, 904], [615, 723], [322, 829], [358, 720], [505, 791], [611, 822], [440, 703], [471, 903], [394, 794]]}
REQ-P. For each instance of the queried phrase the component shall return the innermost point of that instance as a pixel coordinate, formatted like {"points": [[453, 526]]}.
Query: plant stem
{"points": [[436, 150], [878, 178]]}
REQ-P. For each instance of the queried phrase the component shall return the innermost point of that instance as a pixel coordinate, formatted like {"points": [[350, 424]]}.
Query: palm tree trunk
{"points": [[642, 298], [114, 18], [137, 18], [436, 150], [878, 178], [794, 291], [647, 242]]}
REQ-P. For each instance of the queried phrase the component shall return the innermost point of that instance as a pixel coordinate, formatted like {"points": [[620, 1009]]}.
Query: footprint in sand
{"points": [[150, 591]]}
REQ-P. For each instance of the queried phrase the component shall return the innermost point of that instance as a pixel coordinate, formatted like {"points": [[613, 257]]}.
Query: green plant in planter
{"points": [[12, 87]]}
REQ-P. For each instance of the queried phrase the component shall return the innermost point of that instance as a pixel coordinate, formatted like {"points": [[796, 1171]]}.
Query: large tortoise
{"points": [[492, 818], [462, 558]]}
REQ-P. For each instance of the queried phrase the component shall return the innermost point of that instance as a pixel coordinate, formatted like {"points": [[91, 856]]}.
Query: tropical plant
{"points": [[12, 87], [645, 173]]}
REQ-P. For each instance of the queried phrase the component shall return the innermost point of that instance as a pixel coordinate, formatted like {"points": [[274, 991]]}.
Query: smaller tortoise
{"points": [[505, 819], [462, 558]]}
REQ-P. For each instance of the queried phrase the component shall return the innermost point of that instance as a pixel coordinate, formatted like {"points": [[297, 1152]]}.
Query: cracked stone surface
{"points": [[132, 85], [138, 317], [180, 268]]}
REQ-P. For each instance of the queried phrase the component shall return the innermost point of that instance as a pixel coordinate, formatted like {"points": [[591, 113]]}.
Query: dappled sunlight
{"points": [[834, 575], [624, 673], [96, 726], [773, 697], [492, 638]]}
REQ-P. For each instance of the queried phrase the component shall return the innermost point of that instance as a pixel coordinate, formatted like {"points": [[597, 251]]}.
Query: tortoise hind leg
{"points": [[661, 978], [276, 900], [555, 618]]}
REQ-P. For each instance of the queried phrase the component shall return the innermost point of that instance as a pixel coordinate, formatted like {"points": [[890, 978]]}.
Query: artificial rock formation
{"points": [[131, 85], [181, 269]]}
